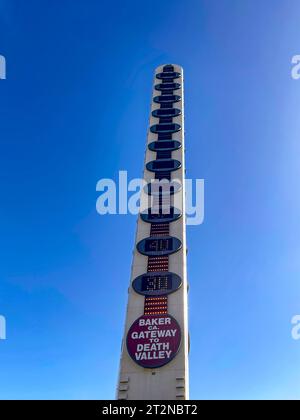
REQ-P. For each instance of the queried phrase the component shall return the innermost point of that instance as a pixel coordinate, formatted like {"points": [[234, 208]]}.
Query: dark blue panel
{"points": [[166, 112], [165, 128], [159, 165], [167, 86], [168, 75], [163, 145], [157, 283], [159, 246], [167, 99]]}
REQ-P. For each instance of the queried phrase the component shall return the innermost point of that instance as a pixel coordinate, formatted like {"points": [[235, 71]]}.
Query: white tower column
{"points": [[154, 355]]}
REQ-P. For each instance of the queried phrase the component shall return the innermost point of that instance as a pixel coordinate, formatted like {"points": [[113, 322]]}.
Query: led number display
{"points": [[156, 283]]}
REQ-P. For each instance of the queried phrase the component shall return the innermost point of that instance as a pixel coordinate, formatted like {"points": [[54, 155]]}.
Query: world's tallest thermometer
{"points": [[154, 355]]}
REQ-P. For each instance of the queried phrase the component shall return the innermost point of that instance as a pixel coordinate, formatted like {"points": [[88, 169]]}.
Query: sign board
{"points": [[153, 340]]}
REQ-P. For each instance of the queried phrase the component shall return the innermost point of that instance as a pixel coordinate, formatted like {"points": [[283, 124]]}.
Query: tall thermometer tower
{"points": [[154, 355]]}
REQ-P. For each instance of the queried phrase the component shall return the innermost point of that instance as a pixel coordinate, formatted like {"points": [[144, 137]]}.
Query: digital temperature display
{"points": [[158, 245], [158, 283], [151, 283]]}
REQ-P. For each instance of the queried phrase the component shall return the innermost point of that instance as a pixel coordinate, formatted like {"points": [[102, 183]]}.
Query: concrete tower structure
{"points": [[154, 355]]}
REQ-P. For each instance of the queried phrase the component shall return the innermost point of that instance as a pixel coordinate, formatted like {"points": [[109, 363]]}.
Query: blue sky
{"points": [[74, 109]]}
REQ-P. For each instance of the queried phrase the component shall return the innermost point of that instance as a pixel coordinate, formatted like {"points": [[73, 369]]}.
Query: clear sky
{"points": [[74, 109]]}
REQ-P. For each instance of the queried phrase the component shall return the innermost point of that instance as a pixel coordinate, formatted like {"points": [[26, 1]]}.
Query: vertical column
{"points": [[154, 359]]}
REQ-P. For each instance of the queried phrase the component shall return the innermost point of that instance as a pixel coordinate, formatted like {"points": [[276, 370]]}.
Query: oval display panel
{"points": [[164, 145], [167, 86], [163, 215], [165, 128], [154, 246], [168, 75], [163, 165], [157, 283], [166, 112], [162, 187], [163, 99]]}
